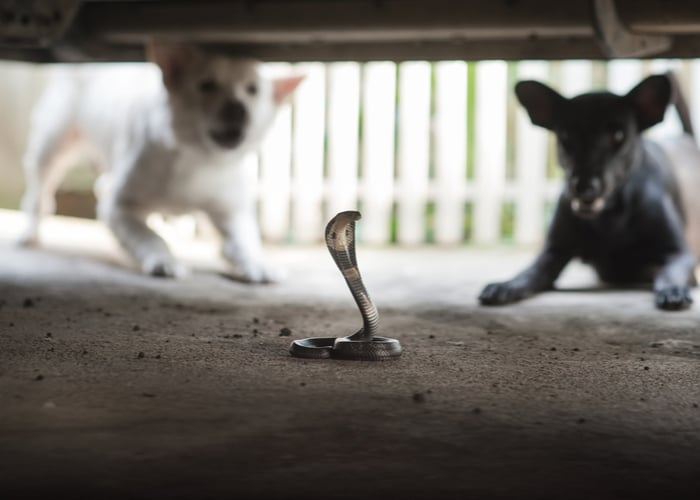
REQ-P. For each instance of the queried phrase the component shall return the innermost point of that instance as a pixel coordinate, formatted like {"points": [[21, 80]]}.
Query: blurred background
{"points": [[430, 152]]}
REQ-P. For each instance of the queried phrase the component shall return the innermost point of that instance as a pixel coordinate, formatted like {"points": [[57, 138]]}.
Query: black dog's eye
{"points": [[252, 88], [208, 86], [617, 136]]}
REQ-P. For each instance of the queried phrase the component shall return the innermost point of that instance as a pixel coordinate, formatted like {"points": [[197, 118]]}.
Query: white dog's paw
{"points": [[256, 272], [28, 240], [163, 267], [29, 236]]}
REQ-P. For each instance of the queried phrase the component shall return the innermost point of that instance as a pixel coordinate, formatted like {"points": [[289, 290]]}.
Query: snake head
{"points": [[339, 225]]}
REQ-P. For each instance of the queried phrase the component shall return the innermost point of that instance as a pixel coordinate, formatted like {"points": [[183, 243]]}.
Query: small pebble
{"points": [[237, 336], [285, 332], [49, 405], [431, 336], [148, 395], [419, 397], [476, 411], [256, 320], [28, 302], [695, 405], [552, 348], [48, 335], [135, 328], [39, 377], [581, 421], [140, 355], [646, 367], [303, 384]]}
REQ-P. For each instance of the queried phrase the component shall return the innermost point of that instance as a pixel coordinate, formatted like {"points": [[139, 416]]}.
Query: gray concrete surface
{"points": [[114, 385]]}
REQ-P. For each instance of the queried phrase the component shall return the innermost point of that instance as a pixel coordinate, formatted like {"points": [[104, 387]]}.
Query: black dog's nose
{"points": [[587, 190], [233, 112], [588, 195]]}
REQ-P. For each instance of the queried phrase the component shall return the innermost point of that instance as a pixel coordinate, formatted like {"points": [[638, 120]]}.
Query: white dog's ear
{"points": [[173, 59], [285, 86]]}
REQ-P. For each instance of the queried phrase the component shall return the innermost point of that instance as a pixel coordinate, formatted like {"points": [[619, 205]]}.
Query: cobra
{"points": [[363, 344]]}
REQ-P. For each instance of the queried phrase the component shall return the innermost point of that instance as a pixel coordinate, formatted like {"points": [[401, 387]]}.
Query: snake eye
{"points": [[333, 235]]}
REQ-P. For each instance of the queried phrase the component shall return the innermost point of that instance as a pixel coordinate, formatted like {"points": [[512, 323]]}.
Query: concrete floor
{"points": [[114, 385]]}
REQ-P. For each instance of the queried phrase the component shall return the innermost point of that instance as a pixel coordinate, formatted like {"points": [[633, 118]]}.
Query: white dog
{"points": [[170, 141]]}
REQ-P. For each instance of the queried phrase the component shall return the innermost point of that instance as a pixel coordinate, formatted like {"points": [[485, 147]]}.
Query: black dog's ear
{"points": [[650, 98], [542, 103]]}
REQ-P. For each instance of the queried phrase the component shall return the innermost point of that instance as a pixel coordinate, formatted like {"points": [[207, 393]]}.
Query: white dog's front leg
{"points": [[147, 248], [241, 245]]}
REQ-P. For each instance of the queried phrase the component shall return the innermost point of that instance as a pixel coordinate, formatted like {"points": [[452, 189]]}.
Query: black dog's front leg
{"points": [[538, 277], [671, 284]]}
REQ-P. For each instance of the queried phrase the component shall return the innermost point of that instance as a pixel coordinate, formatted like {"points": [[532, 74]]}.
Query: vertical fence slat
{"points": [[343, 137], [450, 150], [378, 109], [694, 93], [413, 151], [490, 150], [623, 75], [20, 85], [275, 171], [530, 165], [576, 77], [309, 131]]}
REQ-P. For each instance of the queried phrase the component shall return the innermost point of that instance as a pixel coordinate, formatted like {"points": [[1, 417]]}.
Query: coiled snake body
{"points": [[363, 344]]}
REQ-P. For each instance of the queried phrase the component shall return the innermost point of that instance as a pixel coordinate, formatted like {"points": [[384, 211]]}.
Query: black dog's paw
{"points": [[674, 298], [497, 294]]}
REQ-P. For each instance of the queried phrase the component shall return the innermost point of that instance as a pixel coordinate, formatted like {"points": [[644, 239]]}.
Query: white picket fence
{"points": [[429, 152]]}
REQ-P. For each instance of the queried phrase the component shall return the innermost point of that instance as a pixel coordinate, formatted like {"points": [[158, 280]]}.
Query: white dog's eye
{"points": [[208, 86], [252, 88]]}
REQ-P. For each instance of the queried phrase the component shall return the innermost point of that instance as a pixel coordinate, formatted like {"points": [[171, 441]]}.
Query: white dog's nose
{"points": [[233, 113]]}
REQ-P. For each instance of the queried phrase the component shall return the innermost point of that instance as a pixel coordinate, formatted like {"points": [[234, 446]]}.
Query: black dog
{"points": [[621, 209]]}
